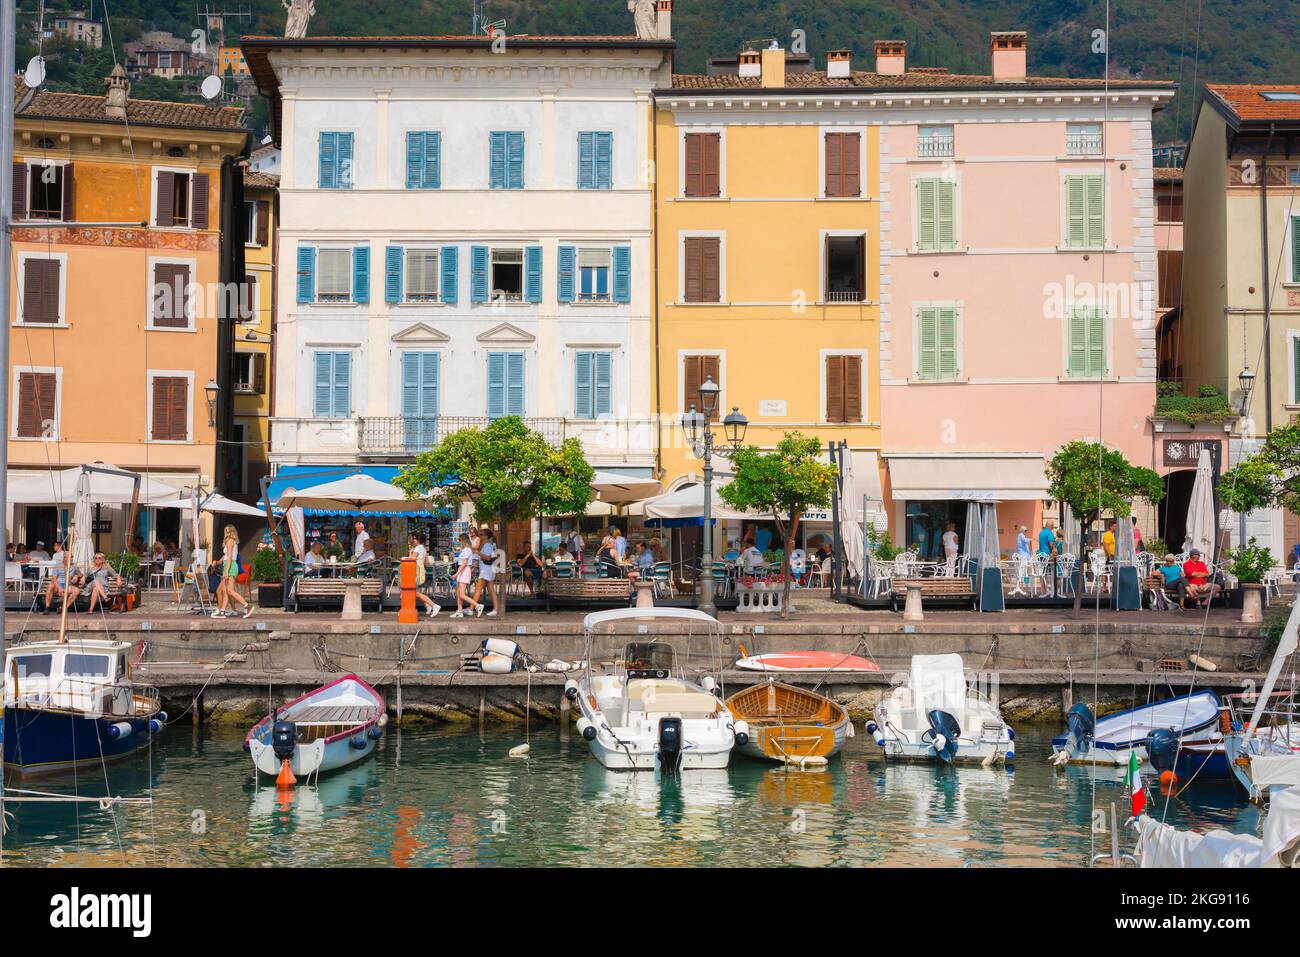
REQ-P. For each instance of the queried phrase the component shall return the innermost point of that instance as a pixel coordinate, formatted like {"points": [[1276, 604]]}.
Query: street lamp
{"points": [[1246, 379], [211, 389], [695, 423]]}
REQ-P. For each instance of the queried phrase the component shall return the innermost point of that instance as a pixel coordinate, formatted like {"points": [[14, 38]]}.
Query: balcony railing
{"points": [[844, 295], [934, 146], [1083, 144], [408, 435]]}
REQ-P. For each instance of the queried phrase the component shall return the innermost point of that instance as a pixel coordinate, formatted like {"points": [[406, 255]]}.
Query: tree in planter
{"points": [[784, 483], [507, 472], [1093, 480]]}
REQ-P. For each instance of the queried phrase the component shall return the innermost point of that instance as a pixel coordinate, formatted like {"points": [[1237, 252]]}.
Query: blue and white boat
{"points": [[1194, 720], [69, 704], [332, 727]]}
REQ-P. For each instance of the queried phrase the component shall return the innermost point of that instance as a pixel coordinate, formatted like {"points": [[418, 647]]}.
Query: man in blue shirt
{"points": [[1047, 540]]}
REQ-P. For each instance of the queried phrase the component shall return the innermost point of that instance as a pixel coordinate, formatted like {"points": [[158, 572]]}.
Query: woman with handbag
{"points": [[227, 590], [421, 555]]}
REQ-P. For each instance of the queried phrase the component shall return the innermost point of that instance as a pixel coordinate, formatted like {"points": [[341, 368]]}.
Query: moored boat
{"points": [[806, 661], [789, 724], [1194, 720], [334, 726]]}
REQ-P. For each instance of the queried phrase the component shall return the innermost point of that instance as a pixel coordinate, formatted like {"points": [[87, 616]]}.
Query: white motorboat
{"points": [[644, 714], [935, 715], [1194, 720], [326, 729]]}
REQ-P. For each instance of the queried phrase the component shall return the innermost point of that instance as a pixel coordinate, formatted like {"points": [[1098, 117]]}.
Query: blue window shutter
{"points": [[433, 160], [601, 370], [622, 273], [586, 161], [322, 406], [411, 383], [515, 168], [514, 383], [361, 274], [414, 160], [496, 385], [342, 385], [393, 273], [345, 160], [447, 256], [566, 260], [582, 408], [497, 162], [327, 174], [533, 273], [478, 274], [604, 160], [429, 384], [306, 273]]}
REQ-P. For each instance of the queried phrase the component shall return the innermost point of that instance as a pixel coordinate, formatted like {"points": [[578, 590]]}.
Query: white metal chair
{"points": [[1273, 582], [166, 578], [880, 580], [16, 583]]}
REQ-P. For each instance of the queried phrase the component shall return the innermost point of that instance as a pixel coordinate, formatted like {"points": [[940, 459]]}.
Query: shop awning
{"points": [[993, 477], [295, 476]]}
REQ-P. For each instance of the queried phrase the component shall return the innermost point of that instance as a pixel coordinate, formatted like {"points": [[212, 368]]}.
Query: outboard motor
{"points": [[1162, 749], [1081, 723], [943, 734], [670, 744], [284, 738]]}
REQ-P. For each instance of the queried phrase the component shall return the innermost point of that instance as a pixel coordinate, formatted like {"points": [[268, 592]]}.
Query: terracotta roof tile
{"points": [[913, 79], [78, 106], [261, 181], [1246, 100]]}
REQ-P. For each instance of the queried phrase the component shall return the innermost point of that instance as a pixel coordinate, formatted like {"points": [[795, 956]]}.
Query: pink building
{"points": [[1019, 267]]}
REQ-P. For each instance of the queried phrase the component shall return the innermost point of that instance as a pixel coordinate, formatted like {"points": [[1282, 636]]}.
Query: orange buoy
{"points": [[285, 779], [1168, 780], [1225, 721]]}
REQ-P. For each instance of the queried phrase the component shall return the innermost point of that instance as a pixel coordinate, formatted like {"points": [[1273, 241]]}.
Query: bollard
{"points": [[406, 614], [912, 610]]}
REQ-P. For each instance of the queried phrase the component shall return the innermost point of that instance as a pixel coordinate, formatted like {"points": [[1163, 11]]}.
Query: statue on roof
{"points": [[300, 12], [643, 11]]}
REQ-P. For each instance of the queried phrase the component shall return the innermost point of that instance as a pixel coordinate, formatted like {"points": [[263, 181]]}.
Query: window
{"points": [[333, 391], [86, 666], [1087, 347], [695, 369], [843, 164], [934, 141], [843, 388], [419, 400], [1169, 265], [1281, 96], [42, 286], [593, 275], [936, 343], [936, 215], [250, 223], [506, 166], [333, 274], [1169, 204], [180, 199], [1083, 139], [845, 268], [169, 419], [703, 164], [507, 275], [335, 163], [164, 61], [1085, 200], [250, 372], [595, 160], [33, 666], [421, 275], [505, 384], [423, 160], [334, 281], [247, 307], [703, 256], [172, 303], [591, 384], [47, 190], [37, 412]]}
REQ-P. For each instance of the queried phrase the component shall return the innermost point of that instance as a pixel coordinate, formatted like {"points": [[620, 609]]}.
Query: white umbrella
{"points": [[355, 493], [216, 503], [1200, 510], [60, 488], [83, 548], [850, 528], [688, 502], [297, 523], [623, 489]]}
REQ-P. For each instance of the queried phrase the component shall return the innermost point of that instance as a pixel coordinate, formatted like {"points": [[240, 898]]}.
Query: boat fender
{"points": [[155, 725], [520, 750], [1010, 755], [383, 720], [493, 663], [1011, 734], [358, 741], [571, 690], [1205, 664], [500, 646], [877, 735], [246, 747], [709, 685], [375, 732], [162, 716], [1225, 721], [119, 730], [742, 733], [586, 729], [850, 731]]}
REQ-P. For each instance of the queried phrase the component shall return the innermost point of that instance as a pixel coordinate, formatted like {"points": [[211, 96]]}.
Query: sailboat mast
{"points": [[8, 43]]}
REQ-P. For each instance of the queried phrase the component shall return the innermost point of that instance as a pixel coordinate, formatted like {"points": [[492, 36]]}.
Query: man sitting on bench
{"points": [[100, 573], [64, 583]]}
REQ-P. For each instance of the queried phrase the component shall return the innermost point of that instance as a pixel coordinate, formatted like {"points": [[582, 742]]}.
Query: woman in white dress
{"points": [[421, 555], [465, 575], [950, 549]]}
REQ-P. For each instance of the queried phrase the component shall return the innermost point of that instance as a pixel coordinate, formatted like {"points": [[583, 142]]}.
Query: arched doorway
{"points": [[1173, 509]]}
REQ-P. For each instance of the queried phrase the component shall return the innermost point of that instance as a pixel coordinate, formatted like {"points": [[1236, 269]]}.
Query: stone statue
{"points": [[300, 12], [643, 11]]}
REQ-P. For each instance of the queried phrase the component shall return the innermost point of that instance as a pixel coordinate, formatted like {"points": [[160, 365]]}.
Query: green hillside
{"points": [[1240, 40]]}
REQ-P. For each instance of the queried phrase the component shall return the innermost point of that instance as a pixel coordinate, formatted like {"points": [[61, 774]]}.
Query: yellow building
{"points": [[768, 215], [231, 60], [254, 364], [116, 282]]}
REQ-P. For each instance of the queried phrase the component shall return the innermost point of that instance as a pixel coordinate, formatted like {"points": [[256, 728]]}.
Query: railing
{"points": [[844, 295], [1083, 144], [408, 435], [934, 146]]}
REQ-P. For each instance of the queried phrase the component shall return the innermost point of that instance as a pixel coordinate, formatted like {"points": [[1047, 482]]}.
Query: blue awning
{"points": [[292, 476]]}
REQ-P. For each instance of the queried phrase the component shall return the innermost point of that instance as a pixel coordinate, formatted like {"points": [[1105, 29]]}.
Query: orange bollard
{"points": [[406, 614], [285, 779]]}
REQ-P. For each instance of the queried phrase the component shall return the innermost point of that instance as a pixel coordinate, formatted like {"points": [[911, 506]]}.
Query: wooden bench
{"points": [[313, 590], [934, 589], [604, 590]]}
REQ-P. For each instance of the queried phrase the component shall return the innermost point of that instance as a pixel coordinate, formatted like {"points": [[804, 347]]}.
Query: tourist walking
{"points": [[487, 571], [576, 546], [950, 549], [1047, 543], [1022, 542], [421, 554], [226, 590], [464, 575]]}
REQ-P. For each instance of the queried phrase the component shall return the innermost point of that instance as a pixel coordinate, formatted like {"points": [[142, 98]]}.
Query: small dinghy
{"points": [[1192, 719], [332, 727], [936, 716], [806, 661], [789, 724]]}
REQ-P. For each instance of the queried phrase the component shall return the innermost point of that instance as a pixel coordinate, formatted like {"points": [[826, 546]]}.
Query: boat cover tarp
{"points": [[939, 681], [1160, 845]]}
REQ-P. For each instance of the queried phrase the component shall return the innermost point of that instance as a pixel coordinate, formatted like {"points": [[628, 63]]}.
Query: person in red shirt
{"points": [[1197, 575]]}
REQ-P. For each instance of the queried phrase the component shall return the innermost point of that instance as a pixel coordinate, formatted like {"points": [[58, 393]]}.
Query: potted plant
{"points": [[268, 572], [1249, 564], [126, 564]]}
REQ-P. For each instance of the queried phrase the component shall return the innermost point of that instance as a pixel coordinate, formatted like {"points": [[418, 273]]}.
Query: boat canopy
{"points": [[632, 614]]}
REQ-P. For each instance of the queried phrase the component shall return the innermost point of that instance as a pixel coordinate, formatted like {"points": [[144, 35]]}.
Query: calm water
{"points": [[437, 797]]}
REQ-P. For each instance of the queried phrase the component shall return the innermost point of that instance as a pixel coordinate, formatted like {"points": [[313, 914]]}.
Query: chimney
{"points": [[1009, 56], [838, 65], [773, 66], [664, 19], [891, 57], [749, 63], [116, 88]]}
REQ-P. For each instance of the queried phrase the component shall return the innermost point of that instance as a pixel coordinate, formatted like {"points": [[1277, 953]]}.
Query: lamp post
{"points": [[1245, 379], [698, 432], [212, 389]]}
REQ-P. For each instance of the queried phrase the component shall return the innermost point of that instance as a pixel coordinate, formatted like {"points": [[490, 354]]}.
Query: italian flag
{"points": [[1133, 779]]}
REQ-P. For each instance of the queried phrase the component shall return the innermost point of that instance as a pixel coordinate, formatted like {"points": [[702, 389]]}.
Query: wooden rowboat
{"points": [[790, 724], [331, 727]]}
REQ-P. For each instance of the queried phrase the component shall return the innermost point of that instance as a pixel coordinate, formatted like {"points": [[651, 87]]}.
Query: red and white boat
{"points": [[806, 661]]}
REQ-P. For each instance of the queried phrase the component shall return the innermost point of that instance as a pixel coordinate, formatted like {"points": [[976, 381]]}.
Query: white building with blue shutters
{"points": [[466, 226]]}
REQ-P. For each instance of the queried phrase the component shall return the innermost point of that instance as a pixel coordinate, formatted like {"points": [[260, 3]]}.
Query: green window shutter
{"points": [[945, 214], [928, 363], [1076, 233], [1078, 351], [947, 344], [1095, 192], [926, 211], [1295, 364], [1096, 341], [582, 393]]}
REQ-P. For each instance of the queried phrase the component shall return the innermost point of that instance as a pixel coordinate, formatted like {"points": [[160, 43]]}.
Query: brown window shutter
{"points": [[710, 164], [170, 281], [69, 197], [834, 167], [263, 222], [166, 184], [834, 388], [850, 157], [710, 269], [41, 290], [160, 426], [20, 191], [170, 398], [694, 167], [36, 394], [852, 388], [199, 201], [693, 252], [1170, 268], [691, 380], [259, 373]]}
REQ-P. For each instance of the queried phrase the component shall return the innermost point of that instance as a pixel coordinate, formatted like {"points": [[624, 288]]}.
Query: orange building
{"points": [[117, 253], [231, 60]]}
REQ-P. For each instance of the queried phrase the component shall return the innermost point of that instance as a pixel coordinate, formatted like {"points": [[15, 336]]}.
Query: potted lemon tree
{"points": [[269, 575]]}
